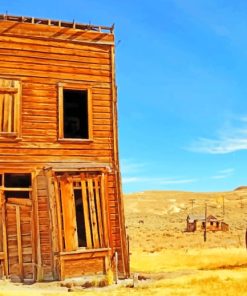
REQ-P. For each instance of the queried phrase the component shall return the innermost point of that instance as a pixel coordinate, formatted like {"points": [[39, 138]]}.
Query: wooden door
{"points": [[19, 236]]}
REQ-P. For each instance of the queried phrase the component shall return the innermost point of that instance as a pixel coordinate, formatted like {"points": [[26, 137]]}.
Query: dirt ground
{"points": [[166, 259]]}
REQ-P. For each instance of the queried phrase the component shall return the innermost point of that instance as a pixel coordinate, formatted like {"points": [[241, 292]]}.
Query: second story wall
{"points": [[39, 66]]}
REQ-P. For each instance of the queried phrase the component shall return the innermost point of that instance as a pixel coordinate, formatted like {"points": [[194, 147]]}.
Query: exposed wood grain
{"points": [[105, 215], [53, 218], [1, 111], [53, 46], [38, 273], [53, 32], [92, 210], [46, 56], [86, 213], [69, 215], [59, 212], [19, 201], [123, 238], [5, 245], [37, 58], [98, 199], [19, 243], [90, 113]]}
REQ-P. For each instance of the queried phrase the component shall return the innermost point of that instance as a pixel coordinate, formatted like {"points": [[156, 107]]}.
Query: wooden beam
{"points": [[1, 111], [60, 112], [90, 113], [17, 108], [8, 90], [92, 211], [99, 211], [19, 242], [53, 219], [33, 241], [86, 213], [59, 213], [69, 214], [121, 217], [38, 260], [105, 211], [19, 201], [5, 246]]}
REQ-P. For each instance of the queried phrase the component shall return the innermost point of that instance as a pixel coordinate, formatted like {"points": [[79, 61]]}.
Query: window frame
{"points": [[74, 86], [95, 210], [4, 188], [16, 91]]}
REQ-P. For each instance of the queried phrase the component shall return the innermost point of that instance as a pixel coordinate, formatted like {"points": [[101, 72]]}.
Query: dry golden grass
{"points": [[193, 259], [176, 263]]}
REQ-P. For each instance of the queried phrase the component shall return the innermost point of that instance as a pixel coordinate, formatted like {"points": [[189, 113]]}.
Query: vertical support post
{"points": [[5, 246], [116, 267], [59, 219], [192, 206], [205, 228], [19, 242], [121, 217], [105, 210], [38, 259], [53, 219], [84, 196]]}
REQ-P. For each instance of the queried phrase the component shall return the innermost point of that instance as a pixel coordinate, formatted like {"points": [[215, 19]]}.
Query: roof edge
{"points": [[57, 23]]}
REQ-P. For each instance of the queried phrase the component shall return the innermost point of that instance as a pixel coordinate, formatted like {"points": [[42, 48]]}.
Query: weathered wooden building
{"points": [[61, 206], [197, 223]]}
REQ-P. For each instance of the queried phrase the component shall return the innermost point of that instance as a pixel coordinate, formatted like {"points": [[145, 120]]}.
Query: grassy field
{"points": [[168, 260]]}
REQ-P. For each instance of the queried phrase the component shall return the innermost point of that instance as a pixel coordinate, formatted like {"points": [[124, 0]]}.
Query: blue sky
{"points": [[182, 87]]}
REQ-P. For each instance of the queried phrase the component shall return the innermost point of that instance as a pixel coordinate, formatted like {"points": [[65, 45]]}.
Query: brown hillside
{"points": [[156, 220], [241, 188]]}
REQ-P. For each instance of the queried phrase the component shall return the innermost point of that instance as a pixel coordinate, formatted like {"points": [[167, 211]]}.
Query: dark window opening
{"points": [[81, 233], [17, 180], [203, 225], [211, 223], [75, 104], [17, 194]]}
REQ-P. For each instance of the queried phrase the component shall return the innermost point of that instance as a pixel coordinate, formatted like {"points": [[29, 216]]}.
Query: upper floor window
{"points": [[74, 112], [10, 92]]}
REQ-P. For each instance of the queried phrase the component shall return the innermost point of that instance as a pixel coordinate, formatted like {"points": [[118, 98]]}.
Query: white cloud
{"points": [[156, 181], [223, 174], [230, 139], [134, 172], [178, 181], [129, 166], [127, 180]]}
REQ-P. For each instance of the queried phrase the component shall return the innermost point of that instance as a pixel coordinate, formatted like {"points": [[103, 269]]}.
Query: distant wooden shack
{"points": [[197, 223], [61, 208]]}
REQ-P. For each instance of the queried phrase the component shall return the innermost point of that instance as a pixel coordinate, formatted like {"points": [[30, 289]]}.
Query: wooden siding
{"points": [[41, 65], [44, 226], [41, 57]]}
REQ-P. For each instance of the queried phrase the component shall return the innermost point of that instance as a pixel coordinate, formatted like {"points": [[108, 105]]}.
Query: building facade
{"points": [[60, 188]]}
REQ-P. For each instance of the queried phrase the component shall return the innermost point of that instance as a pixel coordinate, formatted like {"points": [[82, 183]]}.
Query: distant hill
{"points": [[241, 188], [156, 220]]}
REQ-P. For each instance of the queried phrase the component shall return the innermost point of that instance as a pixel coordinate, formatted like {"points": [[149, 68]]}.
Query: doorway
{"points": [[17, 226]]}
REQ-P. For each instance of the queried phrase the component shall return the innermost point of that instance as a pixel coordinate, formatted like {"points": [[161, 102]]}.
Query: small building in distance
{"points": [[197, 223]]}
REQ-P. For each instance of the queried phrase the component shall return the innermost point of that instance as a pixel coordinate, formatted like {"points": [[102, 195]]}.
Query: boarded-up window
{"points": [[10, 91], [74, 112], [81, 212]]}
